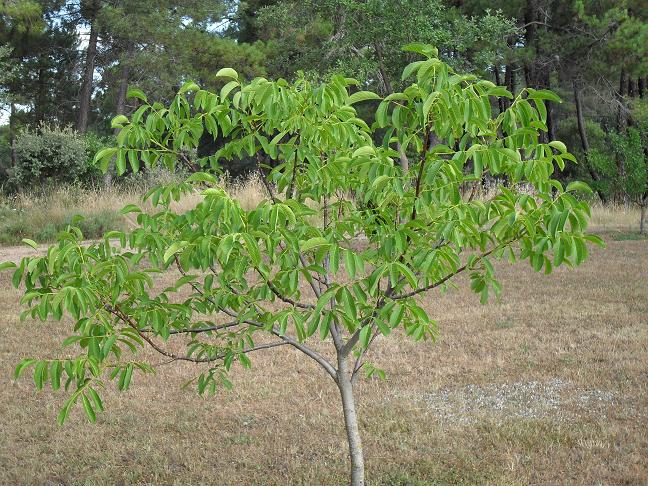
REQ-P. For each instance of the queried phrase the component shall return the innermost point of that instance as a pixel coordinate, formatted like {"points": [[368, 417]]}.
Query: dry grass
{"points": [[580, 335], [41, 215], [615, 218]]}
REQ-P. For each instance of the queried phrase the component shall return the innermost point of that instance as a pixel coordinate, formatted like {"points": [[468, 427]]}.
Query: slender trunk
{"points": [[622, 125], [120, 107], [582, 131], [498, 82], [621, 113], [382, 72], [642, 219], [86, 90], [551, 126], [12, 133], [581, 120], [641, 87], [351, 423], [509, 81], [39, 105]]}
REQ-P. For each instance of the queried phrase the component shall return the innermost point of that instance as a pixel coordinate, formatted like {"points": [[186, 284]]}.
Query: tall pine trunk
{"points": [[622, 125], [88, 74], [120, 106], [12, 134], [582, 132]]}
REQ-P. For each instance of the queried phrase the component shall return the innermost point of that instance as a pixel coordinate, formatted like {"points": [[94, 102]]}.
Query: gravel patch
{"points": [[557, 399]]}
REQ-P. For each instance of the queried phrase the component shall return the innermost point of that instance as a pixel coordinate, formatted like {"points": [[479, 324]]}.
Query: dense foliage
{"points": [[48, 155], [350, 233]]}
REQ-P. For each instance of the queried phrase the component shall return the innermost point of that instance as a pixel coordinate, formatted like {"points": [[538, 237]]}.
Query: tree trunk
{"points": [[120, 107], [642, 219], [509, 82], [498, 82], [622, 121], [622, 125], [631, 87], [582, 131], [351, 424], [86, 90], [39, 105], [12, 133]]}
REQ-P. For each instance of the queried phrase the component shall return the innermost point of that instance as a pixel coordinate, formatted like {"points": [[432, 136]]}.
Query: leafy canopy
{"points": [[340, 248]]}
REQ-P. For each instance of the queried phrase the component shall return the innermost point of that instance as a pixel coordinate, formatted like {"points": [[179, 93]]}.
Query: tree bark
{"points": [[622, 121], [582, 131], [498, 82], [86, 90], [509, 81], [351, 423], [622, 125], [39, 105], [120, 107], [642, 219], [12, 134]]}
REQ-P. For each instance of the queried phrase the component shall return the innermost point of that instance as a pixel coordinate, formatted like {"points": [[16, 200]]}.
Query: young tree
{"points": [[310, 260]]}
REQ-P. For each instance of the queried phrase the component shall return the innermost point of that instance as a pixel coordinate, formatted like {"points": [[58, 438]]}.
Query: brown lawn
{"points": [[547, 386]]}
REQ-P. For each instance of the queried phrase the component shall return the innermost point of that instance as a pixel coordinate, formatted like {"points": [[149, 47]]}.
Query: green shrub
{"points": [[50, 154]]}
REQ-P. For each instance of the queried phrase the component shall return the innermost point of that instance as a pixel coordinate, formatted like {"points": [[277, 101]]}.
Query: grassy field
{"points": [[546, 386]]}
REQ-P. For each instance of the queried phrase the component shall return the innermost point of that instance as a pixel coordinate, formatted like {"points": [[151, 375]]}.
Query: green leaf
{"points": [[130, 208], [544, 94], [188, 86], [597, 240], [314, 243], [119, 121], [136, 93], [350, 264], [5, 265], [361, 96], [227, 89], [202, 177], [227, 73], [424, 49], [22, 365], [175, 247], [558, 145], [365, 335], [578, 186], [92, 417], [62, 416], [31, 243], [106, 153]]}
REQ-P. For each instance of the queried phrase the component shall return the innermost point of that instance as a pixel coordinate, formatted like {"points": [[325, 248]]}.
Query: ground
{"points": [[547, 385]]}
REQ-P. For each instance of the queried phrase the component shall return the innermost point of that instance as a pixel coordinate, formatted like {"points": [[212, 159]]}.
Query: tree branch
{"points": [[323, 362], [127, 320], [287, 300], [447, 277]]}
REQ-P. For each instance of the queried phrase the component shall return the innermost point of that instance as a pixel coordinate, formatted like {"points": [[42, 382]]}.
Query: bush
{"points": [[50, 154]]}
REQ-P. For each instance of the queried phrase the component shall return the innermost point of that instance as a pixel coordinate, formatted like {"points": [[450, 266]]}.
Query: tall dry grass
{"points": [[42, 214]]}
